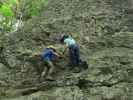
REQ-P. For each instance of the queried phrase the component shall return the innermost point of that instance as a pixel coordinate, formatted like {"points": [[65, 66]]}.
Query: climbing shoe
{"points": [[49, 78], [76, 70]]}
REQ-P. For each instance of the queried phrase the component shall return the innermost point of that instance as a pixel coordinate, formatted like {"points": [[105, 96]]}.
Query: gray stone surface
{"points": [[103, 30]]}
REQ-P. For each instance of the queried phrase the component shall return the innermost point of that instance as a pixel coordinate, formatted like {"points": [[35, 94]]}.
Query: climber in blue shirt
{"points": [[48, 56]]}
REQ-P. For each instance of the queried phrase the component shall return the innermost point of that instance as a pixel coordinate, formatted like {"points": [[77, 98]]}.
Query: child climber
{"points": [[48, 56]]}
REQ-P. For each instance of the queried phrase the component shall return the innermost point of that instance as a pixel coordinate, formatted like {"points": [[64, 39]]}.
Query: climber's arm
{"points": [[66, 48], [57, 54]]}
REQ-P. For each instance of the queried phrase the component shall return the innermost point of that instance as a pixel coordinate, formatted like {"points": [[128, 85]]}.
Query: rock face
{"points": [[103, 30]]}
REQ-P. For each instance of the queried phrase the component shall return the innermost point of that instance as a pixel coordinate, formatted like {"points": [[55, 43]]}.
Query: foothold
{"points": [[1, 49], [83, 64]]}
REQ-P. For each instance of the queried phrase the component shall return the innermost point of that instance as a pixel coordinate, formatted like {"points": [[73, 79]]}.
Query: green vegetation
{"points": [[12, 10], [6, 10], [7, 15]]}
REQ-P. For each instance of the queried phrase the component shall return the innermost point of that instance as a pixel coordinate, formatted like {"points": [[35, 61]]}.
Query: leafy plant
{"points": [[6, 11], [7, 14], [11, 10]]}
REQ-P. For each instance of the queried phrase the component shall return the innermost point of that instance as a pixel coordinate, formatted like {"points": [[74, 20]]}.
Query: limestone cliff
{"points": [[102, 28]]}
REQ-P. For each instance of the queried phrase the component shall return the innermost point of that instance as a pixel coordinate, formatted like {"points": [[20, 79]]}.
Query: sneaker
{"points": [[49, 78], [76, 70]]}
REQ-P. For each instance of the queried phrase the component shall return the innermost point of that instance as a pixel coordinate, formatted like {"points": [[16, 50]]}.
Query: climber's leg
{"points": [[50, 71]]}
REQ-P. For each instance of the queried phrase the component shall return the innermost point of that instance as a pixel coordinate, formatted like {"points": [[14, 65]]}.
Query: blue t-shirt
{"points": [[48, 54], [69, 41]]}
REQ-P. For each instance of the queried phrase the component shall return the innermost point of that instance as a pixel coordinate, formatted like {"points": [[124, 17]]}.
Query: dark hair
{"points": [[63, 38], [53, 49]]}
